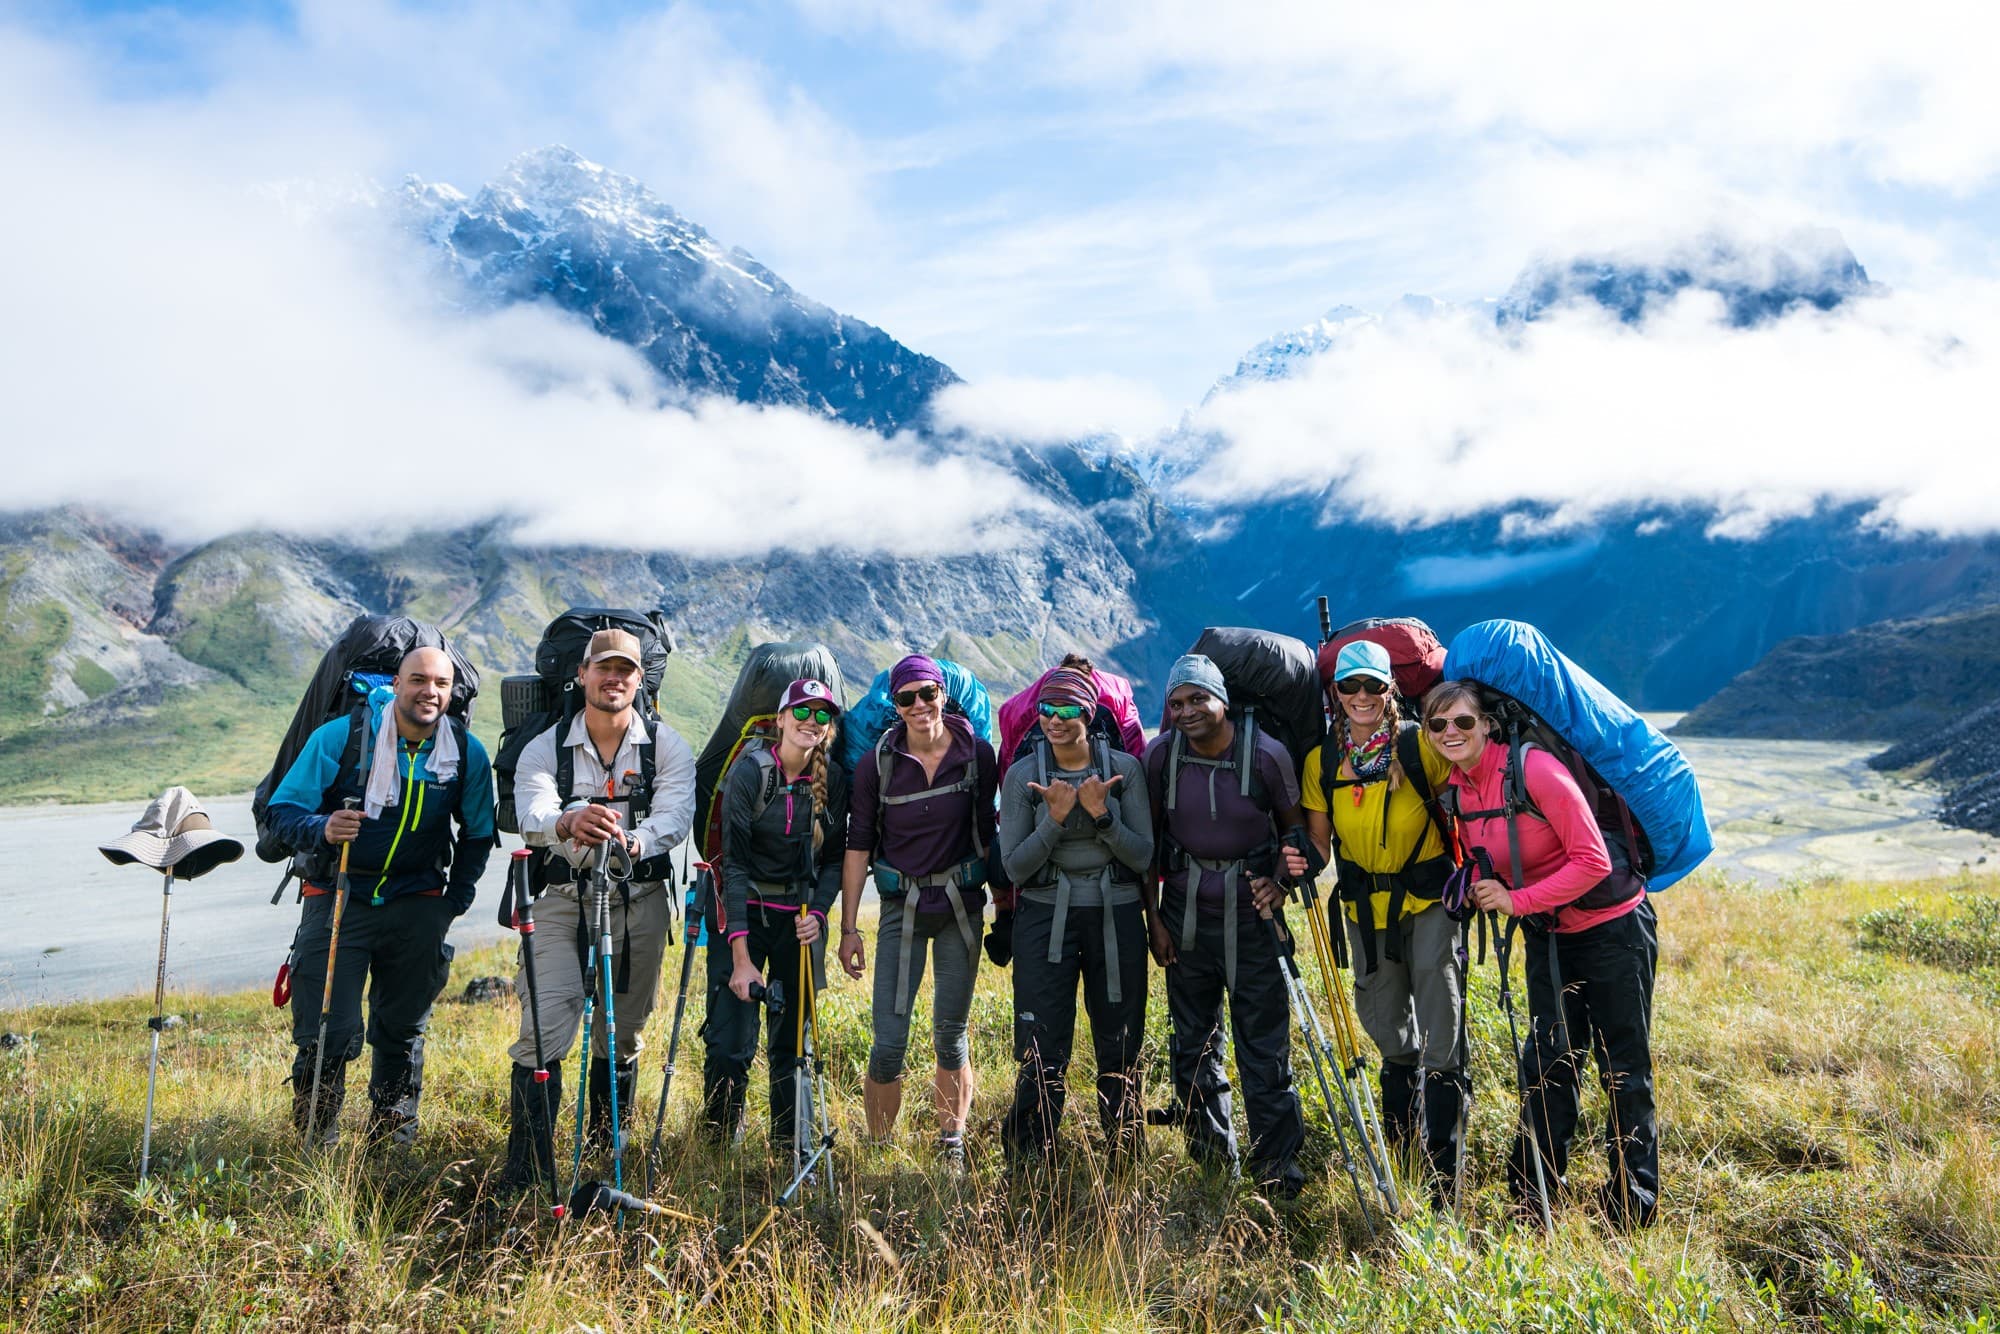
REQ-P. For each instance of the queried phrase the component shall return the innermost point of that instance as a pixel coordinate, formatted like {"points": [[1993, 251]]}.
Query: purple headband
{"points": [[914, 668]]}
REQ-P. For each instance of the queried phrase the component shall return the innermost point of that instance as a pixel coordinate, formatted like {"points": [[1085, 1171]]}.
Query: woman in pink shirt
{"points": [[1591, 937]]}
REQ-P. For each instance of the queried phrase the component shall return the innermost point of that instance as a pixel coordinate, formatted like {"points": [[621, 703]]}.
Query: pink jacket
{"points": [[1114, 692], [1562, 855]]}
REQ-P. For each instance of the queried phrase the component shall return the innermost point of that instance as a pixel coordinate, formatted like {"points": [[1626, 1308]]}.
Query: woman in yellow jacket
{"points": [[1366, 797]]}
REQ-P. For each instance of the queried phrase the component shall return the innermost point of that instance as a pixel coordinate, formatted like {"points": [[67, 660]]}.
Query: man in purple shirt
{"points": [[1222, 815], [922, 820]]}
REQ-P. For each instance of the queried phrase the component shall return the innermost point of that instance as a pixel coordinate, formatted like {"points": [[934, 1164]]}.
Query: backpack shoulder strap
{"points": [[767, 784], [350, 772], [1100, 754], [1329, 769], [642, 791], [1173, 772], [883, 760], [1410, 750]]}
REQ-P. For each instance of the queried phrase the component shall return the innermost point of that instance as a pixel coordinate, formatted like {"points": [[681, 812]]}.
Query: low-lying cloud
{"points": [[1891, 400], [203, 355], [1038, 411]]}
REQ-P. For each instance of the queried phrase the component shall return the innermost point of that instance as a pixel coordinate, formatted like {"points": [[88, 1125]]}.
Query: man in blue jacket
{"points": [[416, 772]]}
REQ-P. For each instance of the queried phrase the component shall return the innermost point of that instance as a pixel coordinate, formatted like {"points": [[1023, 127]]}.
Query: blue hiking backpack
{"points": [[1640, 786]]}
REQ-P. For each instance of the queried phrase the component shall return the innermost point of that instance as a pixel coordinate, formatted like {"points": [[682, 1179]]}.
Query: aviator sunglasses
{"points": [[1355, 685], [906, 698], [804, 711], [1066, 712], [1464, 722]]}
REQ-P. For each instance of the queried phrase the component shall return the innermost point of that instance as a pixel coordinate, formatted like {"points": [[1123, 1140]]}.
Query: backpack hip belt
{"points": [[559, 874], [1358, 887], [952, 882], [1060, 889], [793, 894], [1232, 872]]}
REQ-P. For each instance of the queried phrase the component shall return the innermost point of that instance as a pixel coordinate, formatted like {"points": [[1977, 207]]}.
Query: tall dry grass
{"points": [[1828, 1111]]}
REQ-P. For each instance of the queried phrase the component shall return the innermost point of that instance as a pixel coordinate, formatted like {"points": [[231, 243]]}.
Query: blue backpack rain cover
{"points": [[1629, 753], [876, 713]]}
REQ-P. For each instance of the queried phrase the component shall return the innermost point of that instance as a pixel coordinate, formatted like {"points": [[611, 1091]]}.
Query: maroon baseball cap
{"points": [[806, 690]]}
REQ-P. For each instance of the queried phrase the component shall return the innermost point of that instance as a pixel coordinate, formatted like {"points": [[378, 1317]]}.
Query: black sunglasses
{"points": [[801, 712], [907, 698], [1355, 685]]}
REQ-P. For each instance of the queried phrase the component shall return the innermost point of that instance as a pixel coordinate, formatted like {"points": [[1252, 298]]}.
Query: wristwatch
{"points": [[1103, 822]]}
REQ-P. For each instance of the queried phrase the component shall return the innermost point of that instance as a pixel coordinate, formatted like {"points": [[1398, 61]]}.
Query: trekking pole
{"points": [[1503, 949], [1347, 1031], [326, 993], [1298, 1002], [517, 909], [694, 915], [157, 1022]]}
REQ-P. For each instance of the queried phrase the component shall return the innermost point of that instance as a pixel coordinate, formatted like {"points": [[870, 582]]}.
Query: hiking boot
{"points": [[951, 1155], [394, 1088], [531, 1113], [599, 1123], [1446, 1096], [319, 1125], [1400, 1085], [722, 1111]]}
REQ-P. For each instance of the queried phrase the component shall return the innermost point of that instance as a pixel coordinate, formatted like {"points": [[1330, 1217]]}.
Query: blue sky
{"points": [[1091, 211], [1139, 191]]}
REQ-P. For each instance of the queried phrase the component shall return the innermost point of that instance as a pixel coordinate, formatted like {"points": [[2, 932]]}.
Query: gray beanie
{"points": [[1192, 669]]}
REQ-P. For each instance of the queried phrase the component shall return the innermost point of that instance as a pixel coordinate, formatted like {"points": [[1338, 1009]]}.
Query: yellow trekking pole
{"points": [[1347, 1039]]}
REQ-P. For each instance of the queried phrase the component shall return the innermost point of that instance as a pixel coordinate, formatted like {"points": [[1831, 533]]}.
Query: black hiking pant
{"points": [[1260, 1028], [729, 1036], [397, 952], [1045, 1021], [1606, 1010]]}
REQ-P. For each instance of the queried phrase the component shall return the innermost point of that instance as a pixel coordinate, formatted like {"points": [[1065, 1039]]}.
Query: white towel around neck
{"points": [[385, 775]]}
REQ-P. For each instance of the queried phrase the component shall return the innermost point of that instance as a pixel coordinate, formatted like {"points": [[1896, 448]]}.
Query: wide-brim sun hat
{"points": [[176, 835]]}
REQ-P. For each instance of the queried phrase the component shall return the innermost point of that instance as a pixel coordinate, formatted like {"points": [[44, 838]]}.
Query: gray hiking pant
{"points": [[638, 937], [936, 934], [1411, 1008]]}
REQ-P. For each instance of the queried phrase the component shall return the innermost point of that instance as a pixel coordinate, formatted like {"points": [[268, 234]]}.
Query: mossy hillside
{"points": [[1829, 1113]]}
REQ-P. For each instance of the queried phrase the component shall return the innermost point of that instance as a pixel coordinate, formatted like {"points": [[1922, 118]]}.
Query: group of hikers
{"points": [[1102, 853]]}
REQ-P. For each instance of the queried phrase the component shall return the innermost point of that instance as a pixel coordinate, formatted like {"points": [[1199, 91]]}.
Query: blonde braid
{"points": [[816, 765]]}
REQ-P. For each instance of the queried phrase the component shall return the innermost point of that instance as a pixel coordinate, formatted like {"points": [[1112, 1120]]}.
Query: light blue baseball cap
{"points": [[1363, 658]]}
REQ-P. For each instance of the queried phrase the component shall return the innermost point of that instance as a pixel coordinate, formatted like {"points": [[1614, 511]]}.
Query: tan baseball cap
{"points": [[615, 644]]}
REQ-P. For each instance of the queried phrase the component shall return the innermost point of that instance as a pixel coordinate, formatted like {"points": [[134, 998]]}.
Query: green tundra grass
{"points": [[1830, 1097]]}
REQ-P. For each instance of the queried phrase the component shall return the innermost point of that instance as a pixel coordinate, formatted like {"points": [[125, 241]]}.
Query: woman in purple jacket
{"points": [[922, 819]]}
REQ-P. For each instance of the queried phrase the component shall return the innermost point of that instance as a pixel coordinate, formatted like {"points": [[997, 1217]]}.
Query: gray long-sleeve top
{"points": [[1032, 845]]}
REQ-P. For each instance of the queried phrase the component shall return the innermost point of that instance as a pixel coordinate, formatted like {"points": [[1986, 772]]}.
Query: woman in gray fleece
{"points": [[1076, 835]]}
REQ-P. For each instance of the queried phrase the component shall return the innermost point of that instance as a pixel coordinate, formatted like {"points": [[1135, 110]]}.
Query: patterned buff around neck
{"points": [[1370, 759]]}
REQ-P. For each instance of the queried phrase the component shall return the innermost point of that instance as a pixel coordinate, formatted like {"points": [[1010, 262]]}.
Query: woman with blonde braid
{"points": [[1368, 798], [784, 830]]}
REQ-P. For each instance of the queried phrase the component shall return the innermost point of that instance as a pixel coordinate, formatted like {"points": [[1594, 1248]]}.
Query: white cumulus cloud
{"points": [[1891, 399]]}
